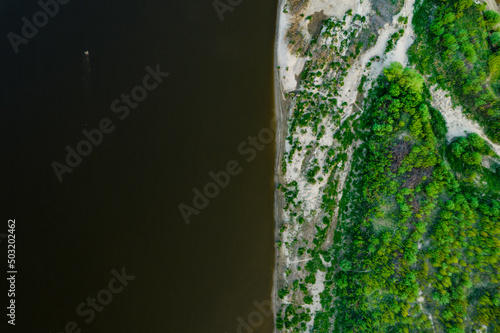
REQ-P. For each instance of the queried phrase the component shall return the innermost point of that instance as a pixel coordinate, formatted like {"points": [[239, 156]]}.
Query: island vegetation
{"points": [[388, 223]]}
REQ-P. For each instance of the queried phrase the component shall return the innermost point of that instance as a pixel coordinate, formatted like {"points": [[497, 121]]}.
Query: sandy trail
{"points": [[456, 122]]}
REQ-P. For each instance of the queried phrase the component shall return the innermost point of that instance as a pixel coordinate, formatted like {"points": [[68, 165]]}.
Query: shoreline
{"points": [[280, 127]]}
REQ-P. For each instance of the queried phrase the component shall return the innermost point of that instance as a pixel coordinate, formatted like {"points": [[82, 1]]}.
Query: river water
{"points": [[119, 207]]}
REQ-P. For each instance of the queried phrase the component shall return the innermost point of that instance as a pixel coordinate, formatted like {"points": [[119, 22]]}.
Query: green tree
{"points": [[492, 18], [472, 158], [345, 265], [459, 147], [437, 28], [449, 18], [476, 141], [494, 64], [469, 52], [394, 72], [463, 4], [495, 38], [462, 36], [450, 41], [458, 64]]}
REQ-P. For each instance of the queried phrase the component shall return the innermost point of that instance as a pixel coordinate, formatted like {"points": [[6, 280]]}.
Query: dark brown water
{"points": [[119, 207]]}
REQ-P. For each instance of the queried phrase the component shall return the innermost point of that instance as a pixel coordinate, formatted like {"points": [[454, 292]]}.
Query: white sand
{"points": [[285, 58], [335, 8], [315, 290], [491, 5]]}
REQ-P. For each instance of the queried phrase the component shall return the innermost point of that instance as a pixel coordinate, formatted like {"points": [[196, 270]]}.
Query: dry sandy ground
{"points": [[284, 57], [492, 5]]}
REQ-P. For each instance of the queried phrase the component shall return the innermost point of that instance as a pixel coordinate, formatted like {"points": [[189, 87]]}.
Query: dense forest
{"points": [[420, 235]]}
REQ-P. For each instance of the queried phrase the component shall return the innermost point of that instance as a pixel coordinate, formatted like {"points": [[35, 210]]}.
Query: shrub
{"points": [[495, 38], [492, 18]]}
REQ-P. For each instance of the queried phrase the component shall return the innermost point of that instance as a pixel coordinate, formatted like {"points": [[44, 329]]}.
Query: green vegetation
{"points": [[417, 244], [405, 233], [458, 46], [317, 103], [439, 255]]}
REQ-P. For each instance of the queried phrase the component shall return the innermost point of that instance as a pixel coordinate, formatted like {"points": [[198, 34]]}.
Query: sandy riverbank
{"points": [[288, 67], [366, 67], [281, 122]]}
